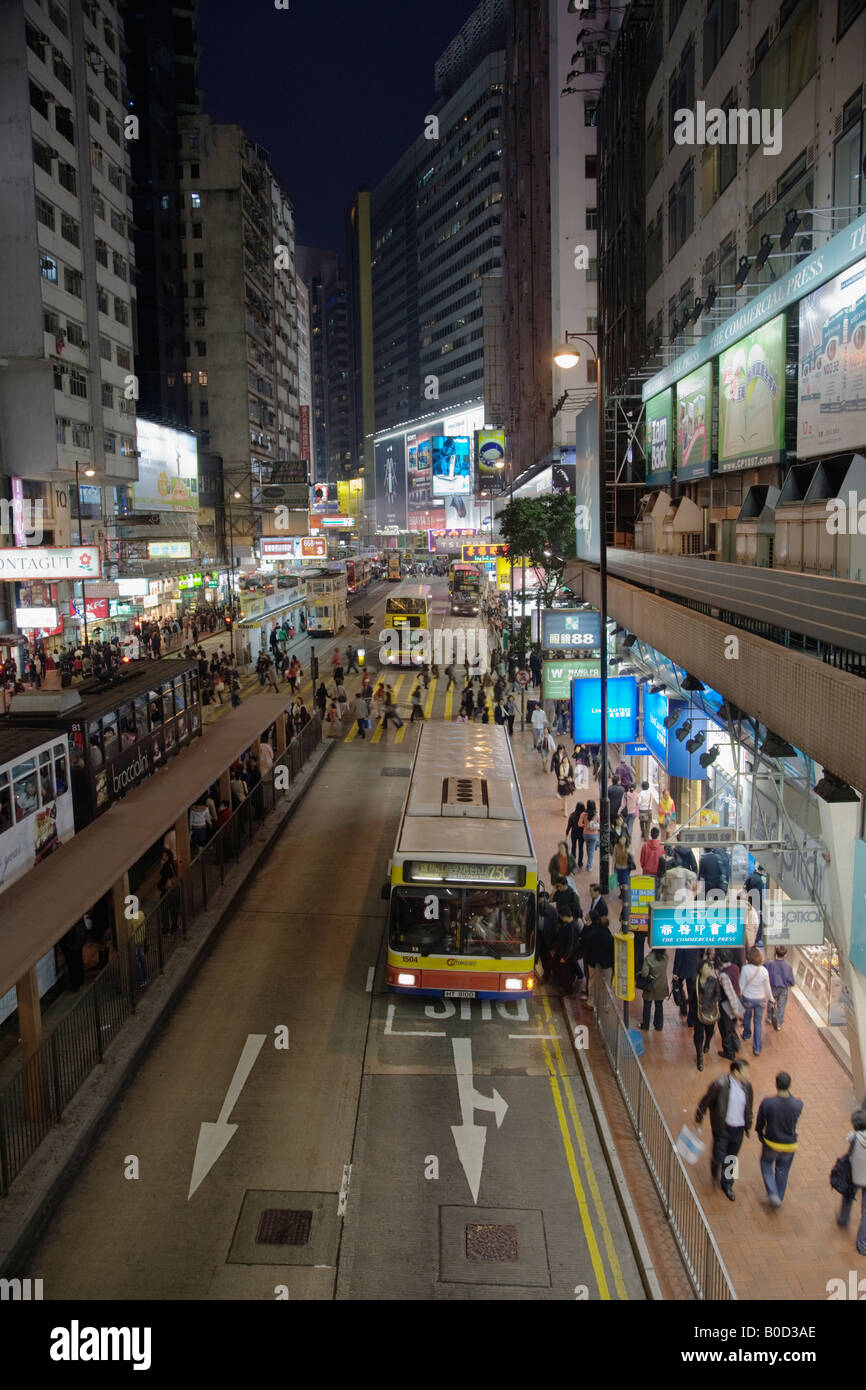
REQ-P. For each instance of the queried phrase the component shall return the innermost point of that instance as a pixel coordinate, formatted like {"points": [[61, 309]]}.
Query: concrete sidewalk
{"points": [[786, 1253]]}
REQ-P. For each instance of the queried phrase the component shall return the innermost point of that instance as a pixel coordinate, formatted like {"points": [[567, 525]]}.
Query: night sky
{"points": [[335, 90]]}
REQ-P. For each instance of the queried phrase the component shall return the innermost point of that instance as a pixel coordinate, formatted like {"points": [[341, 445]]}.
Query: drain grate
{"points": [[283, 1226], [491, 1243]]}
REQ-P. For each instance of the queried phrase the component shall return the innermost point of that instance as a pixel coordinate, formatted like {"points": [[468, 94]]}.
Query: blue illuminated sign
{"points": [[621, 710], [698, 924], [570, 630], [655, 712]]}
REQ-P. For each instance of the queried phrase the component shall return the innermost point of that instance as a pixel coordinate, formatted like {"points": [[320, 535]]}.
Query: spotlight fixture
{"points": [[644, 680], [672, 719], [763, 252], [710, 299], [742, 274], [675, 329], [656, 689], [831, 788], [629, 641], [692, 683], [694, 743], [684, 731], [627, 670], [707, 759], [792, 222], [776, 747], [697, 311]]}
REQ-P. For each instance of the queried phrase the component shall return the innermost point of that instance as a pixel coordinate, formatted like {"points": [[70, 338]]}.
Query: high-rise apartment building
{"points": [[67, 296], [305, 373], [333, 413], [359, 284], [240, 347]]}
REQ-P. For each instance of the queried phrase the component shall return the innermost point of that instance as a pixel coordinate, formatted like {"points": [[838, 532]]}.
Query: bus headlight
{"points": [[517, 981], [407, 978]]}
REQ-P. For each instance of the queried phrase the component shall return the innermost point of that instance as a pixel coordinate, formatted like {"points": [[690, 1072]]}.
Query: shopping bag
{"points": [[637, 1041], [689, 1145]]}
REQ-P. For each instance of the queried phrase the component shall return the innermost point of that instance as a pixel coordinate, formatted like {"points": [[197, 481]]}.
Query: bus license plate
{"points": [[458, 994]]}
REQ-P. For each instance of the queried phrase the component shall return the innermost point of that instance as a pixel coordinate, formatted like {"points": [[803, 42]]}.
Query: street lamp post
{"points": [[88, 473], [566, 358], [233, 493]]}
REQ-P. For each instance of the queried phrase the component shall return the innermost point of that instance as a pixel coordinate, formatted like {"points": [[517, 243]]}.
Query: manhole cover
{"points": [[491, 1243], [282, 1226], [394, 771]]}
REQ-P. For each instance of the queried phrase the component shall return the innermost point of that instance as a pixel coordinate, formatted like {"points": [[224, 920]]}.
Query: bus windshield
{"points": [[465, 579], [407, 605], [470, 922]]}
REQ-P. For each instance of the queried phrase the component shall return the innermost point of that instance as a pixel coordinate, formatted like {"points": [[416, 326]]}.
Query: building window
{"points": [[592, 268], [194, 171], [201, 348], [73, 282], [50, 322], [75, 334], [110, 444], [198, 289], [198, 261], [202, 378], [171, 379], [58, 18], [849, 169], [44, 211], [80, 436], [58, 379], [199, 318], [67, 178], [848, 12], [121, 311], [69, 229], [62, 70], [589, 166], [63, 123], [676, 9], [123, 358], [59, 428], [111, 84], [101, 252], [681, 89], [202, 408], [195, 200], [115, 177], [187, 378], [105, 348], [77, 384], [98, 203], [107, 396], [112, 128], [42, 156], [108, 35], [591, 371], [196, 230], [102, 299], [118, 223], [94, 108], [592, 219], [118, 265], [590, 113], [720, 26], [39, 100], [35, 40]]}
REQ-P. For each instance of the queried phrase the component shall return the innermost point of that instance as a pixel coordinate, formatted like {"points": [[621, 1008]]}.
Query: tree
{"points": [[542, 530]]}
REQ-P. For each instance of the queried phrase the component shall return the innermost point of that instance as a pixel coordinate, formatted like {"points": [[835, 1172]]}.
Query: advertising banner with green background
{"points": [[660, 439], [557, 676], [695, 424], [752, 399], [831, 399]]}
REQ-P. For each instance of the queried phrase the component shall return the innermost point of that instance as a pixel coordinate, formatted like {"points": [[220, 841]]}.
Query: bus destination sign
{"points": [[438, 871]]}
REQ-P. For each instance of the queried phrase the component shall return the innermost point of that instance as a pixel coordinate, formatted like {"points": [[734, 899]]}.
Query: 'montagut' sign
{"points": [[51, 562]]}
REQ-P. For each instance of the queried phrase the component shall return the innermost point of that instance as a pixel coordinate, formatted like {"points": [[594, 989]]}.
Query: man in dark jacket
{"points": [[685, 972], [598, 953], [564, 896], [615, 795], [730, 1101], [685, 856], [713, 872], [753, 889], [548, 924], [776, 1127]]}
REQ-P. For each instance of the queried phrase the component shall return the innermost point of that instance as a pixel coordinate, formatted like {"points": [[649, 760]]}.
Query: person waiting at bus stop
{"points": [[653, 980]]}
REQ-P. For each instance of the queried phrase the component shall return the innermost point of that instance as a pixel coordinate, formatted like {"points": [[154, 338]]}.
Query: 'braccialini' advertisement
{"points": [[752, 399], [831, 396], [695, 423]]}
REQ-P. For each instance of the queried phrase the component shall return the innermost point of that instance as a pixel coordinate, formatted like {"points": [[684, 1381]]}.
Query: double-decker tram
{"points": [[463, 876], [466, 584], [408, 611]]}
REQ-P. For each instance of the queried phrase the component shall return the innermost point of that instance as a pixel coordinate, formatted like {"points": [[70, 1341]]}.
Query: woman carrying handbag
{"points": [[562, 771]]}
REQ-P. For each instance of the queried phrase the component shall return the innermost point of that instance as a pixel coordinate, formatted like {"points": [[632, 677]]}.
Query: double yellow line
{"points": [[560, 1085]]}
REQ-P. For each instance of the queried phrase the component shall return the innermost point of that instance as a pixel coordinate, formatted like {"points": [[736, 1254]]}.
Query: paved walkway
{"points": [[789, 1253]]}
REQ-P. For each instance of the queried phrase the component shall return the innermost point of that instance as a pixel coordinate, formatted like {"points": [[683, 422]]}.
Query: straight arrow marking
{"points": [[214, 1138]]}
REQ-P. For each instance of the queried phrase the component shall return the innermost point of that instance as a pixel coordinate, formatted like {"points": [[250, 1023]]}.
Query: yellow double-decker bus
{"points": [[463, 877]]}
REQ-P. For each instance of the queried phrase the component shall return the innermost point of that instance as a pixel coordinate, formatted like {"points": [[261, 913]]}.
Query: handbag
{"points": [[678, 995], [689, 1145], [842, 1177]]}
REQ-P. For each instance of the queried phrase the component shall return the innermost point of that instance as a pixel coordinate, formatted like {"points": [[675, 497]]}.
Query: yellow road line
{"points": [[428, 708], [571, 1160], [395, 692], [352, 734], [449, 696], [607, 1235]]}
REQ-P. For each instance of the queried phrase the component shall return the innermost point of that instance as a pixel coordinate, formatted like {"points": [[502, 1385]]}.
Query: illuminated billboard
{"points": [[419, 464], [323, 498], [831, 395], [695, 423], [752, 399], [167, 469], [452, 465], [490, 453], [659, 439]]}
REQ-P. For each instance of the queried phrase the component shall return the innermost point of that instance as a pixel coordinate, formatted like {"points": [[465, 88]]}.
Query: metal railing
{"points": [[691, 1231], [37, 1096]]}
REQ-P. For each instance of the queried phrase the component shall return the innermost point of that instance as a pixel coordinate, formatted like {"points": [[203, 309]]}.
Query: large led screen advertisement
{"points": [[391, 511], [452, 465], [831, 395], [752, 399], [167, 469], [660, 439], [621, 710], [419, 464], [695, 423]]}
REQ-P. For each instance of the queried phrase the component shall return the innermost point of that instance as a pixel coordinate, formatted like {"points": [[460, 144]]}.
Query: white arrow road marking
{"points": [[214, 1138], [469, 1137]]}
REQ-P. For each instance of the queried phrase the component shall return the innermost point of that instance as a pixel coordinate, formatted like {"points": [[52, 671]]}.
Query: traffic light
{"points": [[364, 622]]}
